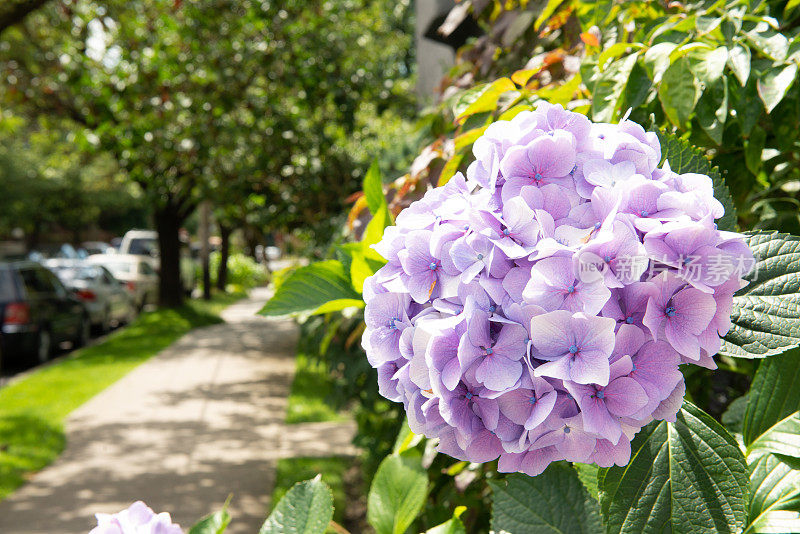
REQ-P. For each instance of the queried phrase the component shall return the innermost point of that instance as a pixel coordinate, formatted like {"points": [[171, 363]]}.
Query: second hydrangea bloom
{"points": [[538, 308]]}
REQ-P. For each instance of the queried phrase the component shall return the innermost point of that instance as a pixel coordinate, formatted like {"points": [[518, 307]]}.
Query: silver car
{"points": [[105, 298]]}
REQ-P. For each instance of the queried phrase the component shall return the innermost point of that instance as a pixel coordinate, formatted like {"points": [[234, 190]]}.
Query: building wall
{"points": [[433, 59]]}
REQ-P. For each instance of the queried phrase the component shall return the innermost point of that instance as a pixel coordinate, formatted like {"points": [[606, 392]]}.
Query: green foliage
{"points": [[214, 523], [397, 494], [312, 388], [766, 313], [689, 474], [306, 509], [312, 289], [290, 471], [243, 270], [552, 502]]}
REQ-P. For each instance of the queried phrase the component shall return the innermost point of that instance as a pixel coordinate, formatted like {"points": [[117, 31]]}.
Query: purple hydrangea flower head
{"points": [[539, 308], [138, 518]]}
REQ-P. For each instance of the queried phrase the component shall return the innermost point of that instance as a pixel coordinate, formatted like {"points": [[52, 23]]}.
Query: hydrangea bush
{"points": [[538, 309]]}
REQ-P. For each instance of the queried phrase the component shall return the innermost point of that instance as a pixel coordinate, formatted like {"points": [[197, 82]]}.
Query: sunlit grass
{"points": [[309, 399], [33, 409]]}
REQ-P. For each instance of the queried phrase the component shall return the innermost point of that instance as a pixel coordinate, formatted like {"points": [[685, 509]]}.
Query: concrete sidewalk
{"points": [[199, 421]]}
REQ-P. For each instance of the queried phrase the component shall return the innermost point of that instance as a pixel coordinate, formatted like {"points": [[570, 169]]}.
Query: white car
{"points": [[144, 243], [106, 301], [136, 272]]}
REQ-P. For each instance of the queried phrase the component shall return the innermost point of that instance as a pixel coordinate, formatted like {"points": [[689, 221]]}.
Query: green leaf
{"points": [[753, 147], [554, 502], [678, 92], [397, 494], [615, 51], [775, 499], [766, 313], [373, 188], [739, 61], [588, 475], [712, 109], [546, 13], [656, 60], [781, 438], [453, 525], [712, 65], [310, 287], [687, 476], [482, 98], [773, 85], [683, 158], [215, 523], [733, 418], [307, 508], [339, 305], [774, 394], [609, 87], [375, 227]]}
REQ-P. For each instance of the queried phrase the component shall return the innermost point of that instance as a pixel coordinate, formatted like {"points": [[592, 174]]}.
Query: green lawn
{"points": [[308, 400], [32, 410]]}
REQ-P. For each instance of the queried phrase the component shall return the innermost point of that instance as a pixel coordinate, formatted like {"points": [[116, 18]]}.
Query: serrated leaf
{"points": [[397, 494], [307, 508], [766, 313], [781, 438], [773, 85], [774, 394], [687, 476], [739, 61], [215, 523], [310, 287], [775, 499], [684, 158], [678, 92], [609, 87], [552, 502], [373, 188]]}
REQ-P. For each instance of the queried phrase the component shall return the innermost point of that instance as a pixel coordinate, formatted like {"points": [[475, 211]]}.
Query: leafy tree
{"points": [[13, 11], [171, 90]]}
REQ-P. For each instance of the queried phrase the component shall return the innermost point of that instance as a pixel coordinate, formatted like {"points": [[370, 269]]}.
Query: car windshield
{"points": [[143, 246]]}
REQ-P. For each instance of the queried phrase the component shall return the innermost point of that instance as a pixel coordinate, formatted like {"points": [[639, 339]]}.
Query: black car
{"points": [[36, 314]]}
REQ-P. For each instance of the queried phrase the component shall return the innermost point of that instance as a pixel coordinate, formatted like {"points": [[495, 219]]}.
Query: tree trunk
{"points": [[168, 224], [224, 252], [205, 224]]}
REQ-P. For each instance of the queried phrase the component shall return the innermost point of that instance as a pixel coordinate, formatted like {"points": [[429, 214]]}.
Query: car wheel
{"points": [[84, 333], [44, 346]]}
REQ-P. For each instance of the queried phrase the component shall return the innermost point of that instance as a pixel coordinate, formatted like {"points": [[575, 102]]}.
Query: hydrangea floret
{"points": [[138, 518], [538, 308]]}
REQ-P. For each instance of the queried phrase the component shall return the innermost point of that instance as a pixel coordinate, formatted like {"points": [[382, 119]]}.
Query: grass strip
{"points": [[33, 409]]}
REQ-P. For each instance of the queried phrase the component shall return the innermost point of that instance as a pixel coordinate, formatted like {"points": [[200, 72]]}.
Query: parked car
{"points": [[145, 243], [97, 247], [37, 313], [56, 250], [134, 272], [106, 299]]}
